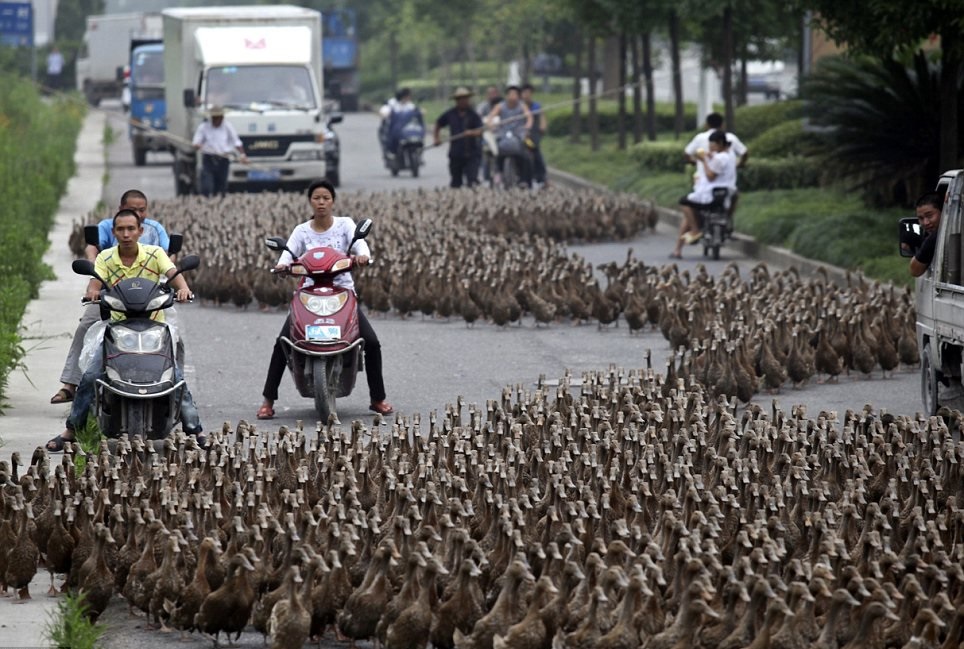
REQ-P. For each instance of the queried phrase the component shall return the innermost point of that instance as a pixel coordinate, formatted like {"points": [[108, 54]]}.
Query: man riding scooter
{"points": [[128, 259]]}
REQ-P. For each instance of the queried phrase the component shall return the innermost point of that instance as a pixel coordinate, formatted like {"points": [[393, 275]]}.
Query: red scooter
{"points": [[324, 346]]}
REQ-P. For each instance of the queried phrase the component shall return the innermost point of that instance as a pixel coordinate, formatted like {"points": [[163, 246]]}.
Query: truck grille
{"points": [[271, 145]]}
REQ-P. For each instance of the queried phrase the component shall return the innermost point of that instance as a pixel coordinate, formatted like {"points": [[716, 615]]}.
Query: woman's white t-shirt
{"points": [[338, 236]]}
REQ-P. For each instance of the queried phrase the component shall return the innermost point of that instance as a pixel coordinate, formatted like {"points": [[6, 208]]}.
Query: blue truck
{"points": [[148, 111], [339, 57]]}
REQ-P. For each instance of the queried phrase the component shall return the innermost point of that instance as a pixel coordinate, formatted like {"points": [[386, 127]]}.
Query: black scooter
{"points": [[139, 393]]}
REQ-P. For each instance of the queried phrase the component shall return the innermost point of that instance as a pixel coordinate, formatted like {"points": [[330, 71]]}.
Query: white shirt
{"points": [[338, 236], [218, 141], [702, 141], [55, 63], [721, 163]]}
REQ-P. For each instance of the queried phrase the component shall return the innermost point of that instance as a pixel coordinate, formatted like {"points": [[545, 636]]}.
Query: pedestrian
{"points": [[492, 99], [539, 127], [55, 69], [465, 128], [216, 139]]}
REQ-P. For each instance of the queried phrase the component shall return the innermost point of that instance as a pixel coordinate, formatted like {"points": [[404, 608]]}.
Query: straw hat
{"points": [[462, 91], [216, 111]]}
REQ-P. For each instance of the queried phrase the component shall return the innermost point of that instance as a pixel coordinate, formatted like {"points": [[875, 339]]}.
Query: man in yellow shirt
{"points": [[128, 259]]}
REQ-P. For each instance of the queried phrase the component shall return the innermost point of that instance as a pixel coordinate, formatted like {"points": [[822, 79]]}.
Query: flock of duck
{"points": [[502, 256], [617, 510]]}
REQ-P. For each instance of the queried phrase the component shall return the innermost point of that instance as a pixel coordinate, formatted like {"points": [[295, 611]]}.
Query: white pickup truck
{"points": [[940, 299]]}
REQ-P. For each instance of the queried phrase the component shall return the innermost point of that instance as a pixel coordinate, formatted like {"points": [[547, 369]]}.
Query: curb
{"points": [[742, 243]]}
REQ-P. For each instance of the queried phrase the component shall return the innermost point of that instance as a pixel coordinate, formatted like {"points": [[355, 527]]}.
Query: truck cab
{"points": [[262, 65], [940, 299], [148, 112]]}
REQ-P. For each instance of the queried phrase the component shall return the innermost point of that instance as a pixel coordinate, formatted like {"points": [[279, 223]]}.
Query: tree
{"points": [[886, 27]]}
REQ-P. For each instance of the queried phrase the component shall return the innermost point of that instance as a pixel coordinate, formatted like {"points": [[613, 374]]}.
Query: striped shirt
{"points": [[151, 263]]}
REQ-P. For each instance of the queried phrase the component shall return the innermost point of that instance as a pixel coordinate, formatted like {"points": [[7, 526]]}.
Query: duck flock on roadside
{"points": [[616, 510]]}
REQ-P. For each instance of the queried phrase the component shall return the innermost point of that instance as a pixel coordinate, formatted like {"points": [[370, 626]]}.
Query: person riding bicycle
{"points": [[512, 130]]}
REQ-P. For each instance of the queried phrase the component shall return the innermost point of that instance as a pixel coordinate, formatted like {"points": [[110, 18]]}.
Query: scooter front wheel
{"points": [[319, 375]]}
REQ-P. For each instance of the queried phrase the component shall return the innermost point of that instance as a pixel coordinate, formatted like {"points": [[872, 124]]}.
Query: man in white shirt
{"points": [[215, 139], [716, 169], [714, 122], [55, 68]]}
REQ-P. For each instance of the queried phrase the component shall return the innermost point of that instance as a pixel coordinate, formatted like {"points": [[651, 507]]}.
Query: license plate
{"points": [[264, 174], [322, 332]]}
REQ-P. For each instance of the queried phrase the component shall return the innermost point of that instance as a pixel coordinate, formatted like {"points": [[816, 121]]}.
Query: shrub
{"points": [[779, 173], [659, 156], [37, 140], [69, 626], [560, 118], [779, 141], [753, 121]]}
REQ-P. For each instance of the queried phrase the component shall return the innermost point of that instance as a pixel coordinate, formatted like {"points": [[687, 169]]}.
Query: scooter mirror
{"points": [[175, 243], [275, 243], [363, 229], [83, 267], [92, 235], [189, 263]]}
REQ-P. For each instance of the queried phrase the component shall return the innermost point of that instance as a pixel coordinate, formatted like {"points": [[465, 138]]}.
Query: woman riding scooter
{"points": [[326, 230]]}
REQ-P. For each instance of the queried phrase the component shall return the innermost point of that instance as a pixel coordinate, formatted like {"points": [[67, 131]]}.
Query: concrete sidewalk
{"points": [[48, 324]]}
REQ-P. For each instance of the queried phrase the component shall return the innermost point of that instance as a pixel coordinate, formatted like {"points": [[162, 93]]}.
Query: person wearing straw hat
{"points": [[465, 127], [216, 139]]}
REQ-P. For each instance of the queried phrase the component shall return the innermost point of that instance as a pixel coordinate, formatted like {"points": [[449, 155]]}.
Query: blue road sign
{"points": [[16, 24]]}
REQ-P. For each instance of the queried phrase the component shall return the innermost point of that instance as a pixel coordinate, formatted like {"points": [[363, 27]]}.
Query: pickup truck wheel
{"points": [[140, 156], [928, 384]]}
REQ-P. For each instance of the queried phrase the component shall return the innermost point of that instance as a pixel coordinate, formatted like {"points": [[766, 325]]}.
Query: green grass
{"points": [[68, 626], [827, 224]]}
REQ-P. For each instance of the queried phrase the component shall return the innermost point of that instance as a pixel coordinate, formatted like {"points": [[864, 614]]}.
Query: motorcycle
{"points": [[514, 155], [717, 222], [324, 346], [408, 153], [139, 393]]}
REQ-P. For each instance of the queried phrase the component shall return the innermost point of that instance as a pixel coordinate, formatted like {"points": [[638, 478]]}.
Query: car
{"points": [[332, 148], [758, 84]]}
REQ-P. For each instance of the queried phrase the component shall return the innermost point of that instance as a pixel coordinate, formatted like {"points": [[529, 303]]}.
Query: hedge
{"points": [[778, 173], [37, 140], [561, 118], [753, 121], [659, 156]]}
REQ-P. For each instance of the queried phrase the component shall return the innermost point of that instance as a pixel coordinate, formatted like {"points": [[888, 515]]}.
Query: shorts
{"points": [[697, 209]]}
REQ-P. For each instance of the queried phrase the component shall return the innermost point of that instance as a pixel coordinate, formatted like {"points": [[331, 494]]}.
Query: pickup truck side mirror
{"points": [[92, 235], [335, 118], [190, 101], [911, 236], [176, 241]]}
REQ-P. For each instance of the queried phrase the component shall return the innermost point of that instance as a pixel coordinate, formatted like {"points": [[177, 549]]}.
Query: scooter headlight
{"points": [[138, 342], [324, 306], [157, 302]]}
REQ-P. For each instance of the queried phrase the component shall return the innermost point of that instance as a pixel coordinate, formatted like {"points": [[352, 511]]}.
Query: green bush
{"points": [[659, 156], [778, 173], [37, 140], [782, 140], [560, 118], [754, 121], [69, 626]]}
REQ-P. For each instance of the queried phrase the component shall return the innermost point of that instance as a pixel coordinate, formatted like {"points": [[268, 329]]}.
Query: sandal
{"points": [[382, 407], [265, 412], [63, 395], [57, 444]]}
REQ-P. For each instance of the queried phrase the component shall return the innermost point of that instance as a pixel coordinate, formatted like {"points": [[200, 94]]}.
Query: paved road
{"points": [[428, 363]]}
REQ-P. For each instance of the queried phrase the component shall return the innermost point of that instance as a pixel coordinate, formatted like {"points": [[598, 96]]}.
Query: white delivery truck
{"points": [[105, 51], [262, 65]]}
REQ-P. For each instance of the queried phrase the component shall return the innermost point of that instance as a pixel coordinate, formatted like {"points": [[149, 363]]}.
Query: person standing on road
{"points": [[928, 208], [152, 233], [55, 68], [216, 139], [539, 128], [465, 127], [325, 230], [492, 99], [128, 259]]}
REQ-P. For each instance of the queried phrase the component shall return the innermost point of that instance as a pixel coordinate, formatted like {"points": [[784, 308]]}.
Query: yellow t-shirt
{"points": [[151, 263]]}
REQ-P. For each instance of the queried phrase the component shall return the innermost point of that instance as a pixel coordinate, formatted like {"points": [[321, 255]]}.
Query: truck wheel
{"points": [[928, 384], [319, 375], [333, 178], [140, 156]]}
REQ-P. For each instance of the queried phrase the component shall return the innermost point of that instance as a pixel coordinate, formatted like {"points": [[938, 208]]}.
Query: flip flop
{"points": [[382, 408], [63, 395], [59, 442], [265, 412]]}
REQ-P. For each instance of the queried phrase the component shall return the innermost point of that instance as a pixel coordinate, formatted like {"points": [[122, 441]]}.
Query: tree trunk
{"points": [[575, 124], [637, 91], [678, 122], [728, 66], [621, 126], [473, 64], [650, 91], [393, 59], [742, 96], [524, 66], [950, 71], [593, 83]]}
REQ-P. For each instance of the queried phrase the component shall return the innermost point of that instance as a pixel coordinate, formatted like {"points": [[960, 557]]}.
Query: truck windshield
{"points": [[148, 68], [255, 86]]}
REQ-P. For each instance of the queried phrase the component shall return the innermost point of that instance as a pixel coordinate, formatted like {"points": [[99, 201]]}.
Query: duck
{"points": [[228, 608], [168, 584], [589, 631], [97, 584], [412, 626], [183, 611], [406, 596], [828, 636], [290, 620], [530, 632], [365, 606], [461, 610], [22, 558], [625, 634], [60, 547], [507, 610]]}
